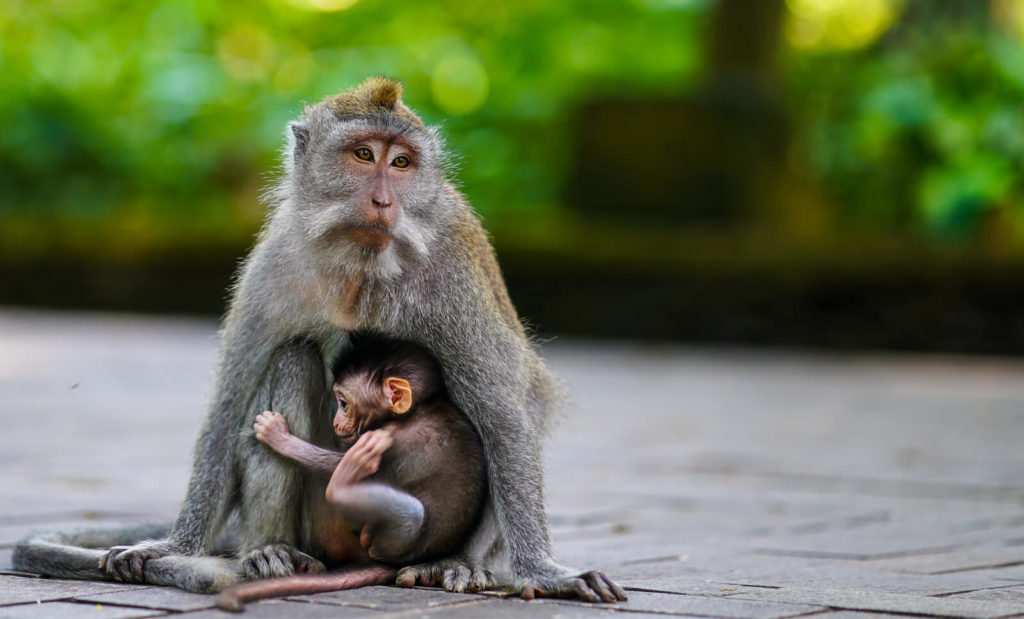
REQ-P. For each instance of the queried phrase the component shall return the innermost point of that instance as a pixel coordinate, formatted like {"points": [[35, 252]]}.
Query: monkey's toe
{"points": [[592, 586], [275, 560], [305, 564], [456, 578], [452, 574], [481, 580]]}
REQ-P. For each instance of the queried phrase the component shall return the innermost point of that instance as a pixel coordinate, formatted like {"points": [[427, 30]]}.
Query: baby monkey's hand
{"points": [[363, 458], [271, 428]]}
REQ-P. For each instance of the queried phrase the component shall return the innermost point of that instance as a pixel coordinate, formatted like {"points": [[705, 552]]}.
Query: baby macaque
{"points": [[409, 489]]}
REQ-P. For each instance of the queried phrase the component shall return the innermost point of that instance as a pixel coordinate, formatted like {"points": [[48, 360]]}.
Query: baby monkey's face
{"points": [[364, 404]]}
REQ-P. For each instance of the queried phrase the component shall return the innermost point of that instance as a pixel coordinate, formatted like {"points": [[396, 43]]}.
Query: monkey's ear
{"points": [[399, 394], [301, 135]]}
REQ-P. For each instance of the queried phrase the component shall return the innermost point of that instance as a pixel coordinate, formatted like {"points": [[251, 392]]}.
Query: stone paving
{"points": [[712, 483]]}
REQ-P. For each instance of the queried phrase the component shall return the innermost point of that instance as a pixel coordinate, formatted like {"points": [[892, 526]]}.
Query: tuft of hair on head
{"points": [[373, 96]]}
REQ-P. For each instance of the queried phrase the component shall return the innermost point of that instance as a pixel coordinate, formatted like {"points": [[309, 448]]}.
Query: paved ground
{"points": [[712, 483]]}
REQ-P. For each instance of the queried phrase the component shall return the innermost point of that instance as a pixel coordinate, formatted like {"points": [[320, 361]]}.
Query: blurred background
{"points": [[809, 173]]}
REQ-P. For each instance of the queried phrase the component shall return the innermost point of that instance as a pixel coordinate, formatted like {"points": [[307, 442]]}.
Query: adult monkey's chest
{"points": [[343, 302]]}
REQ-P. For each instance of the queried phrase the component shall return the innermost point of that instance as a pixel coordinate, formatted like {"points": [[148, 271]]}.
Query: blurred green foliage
{"points": [[922, 130], [165, 118], [175, 109]]}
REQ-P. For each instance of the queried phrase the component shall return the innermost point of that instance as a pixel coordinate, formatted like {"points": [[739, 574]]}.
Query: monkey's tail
{"points": [[234, 598]]}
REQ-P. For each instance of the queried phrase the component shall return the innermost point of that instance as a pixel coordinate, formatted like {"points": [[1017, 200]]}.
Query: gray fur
{"points": [[80, 551], [436, 284]]}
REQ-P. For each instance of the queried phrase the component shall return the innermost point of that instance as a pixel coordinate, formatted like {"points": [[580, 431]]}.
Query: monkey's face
{"points": [[365, 405], [365, 189], [383, 170], [360, 408]]}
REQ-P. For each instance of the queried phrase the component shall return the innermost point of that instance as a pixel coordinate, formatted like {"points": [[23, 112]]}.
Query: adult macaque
{"points": [[409, 489], [366, 232]]}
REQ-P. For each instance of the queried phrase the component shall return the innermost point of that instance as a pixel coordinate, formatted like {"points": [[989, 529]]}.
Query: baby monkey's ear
{"points": [[399, 394]]}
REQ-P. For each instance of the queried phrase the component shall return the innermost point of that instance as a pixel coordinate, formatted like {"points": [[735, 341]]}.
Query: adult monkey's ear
{"points": [[300, 138], [399, 394]]}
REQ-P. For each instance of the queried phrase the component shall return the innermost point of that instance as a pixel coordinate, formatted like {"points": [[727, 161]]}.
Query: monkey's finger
{"points": [[529, 592], [406, 577], [430, 574], [373, 460], [258, 565], [596, 582], [423, 574], [376, 442], [279, 562], [619, 592], [579, 586], [371, 444], [106, 559], [248, 569], [308, 565], [123, 567], [367, 447], [137, 562], [480, 580], [361, 457], [456, 579], [359, 451]]}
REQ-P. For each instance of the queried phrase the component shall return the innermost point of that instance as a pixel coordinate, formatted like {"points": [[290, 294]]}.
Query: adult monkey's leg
{"points": [[243, 375], [271, 509], [506, 413]]}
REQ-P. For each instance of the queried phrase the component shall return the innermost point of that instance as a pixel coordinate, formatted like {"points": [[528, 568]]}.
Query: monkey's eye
{"points": [[401, 161], [342, 403], [363, 153]]}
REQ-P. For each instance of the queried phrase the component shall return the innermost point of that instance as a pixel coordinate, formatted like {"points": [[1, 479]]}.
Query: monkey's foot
{"points": [[452, 574], [276, 560], [558, 582], [125, 563]]}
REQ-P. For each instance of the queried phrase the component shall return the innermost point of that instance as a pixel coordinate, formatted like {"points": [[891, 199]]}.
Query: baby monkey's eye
{"points": [[342, 403], [401, 161], [363, 153]]}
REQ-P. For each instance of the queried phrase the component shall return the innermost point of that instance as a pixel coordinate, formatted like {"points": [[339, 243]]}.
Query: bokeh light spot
{"points": [[327, 6], [459, 83], [839, 24], [294, 71], [246, 52]]}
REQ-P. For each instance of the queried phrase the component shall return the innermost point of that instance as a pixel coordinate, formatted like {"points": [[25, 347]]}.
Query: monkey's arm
{"points": [[318, 460], [272, 430]]}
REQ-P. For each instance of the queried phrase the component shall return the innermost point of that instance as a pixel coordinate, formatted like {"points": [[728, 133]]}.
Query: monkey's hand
{"points": [[362, 459], [271, 428], [125, 563], [278, 560], [453, 574], [553, 580]]}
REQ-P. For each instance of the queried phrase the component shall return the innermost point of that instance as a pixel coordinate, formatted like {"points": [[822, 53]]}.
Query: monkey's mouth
{"points": [[371, 235]]}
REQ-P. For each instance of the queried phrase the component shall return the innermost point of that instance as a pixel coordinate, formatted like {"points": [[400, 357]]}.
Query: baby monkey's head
{"points": [[377, 379]]}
